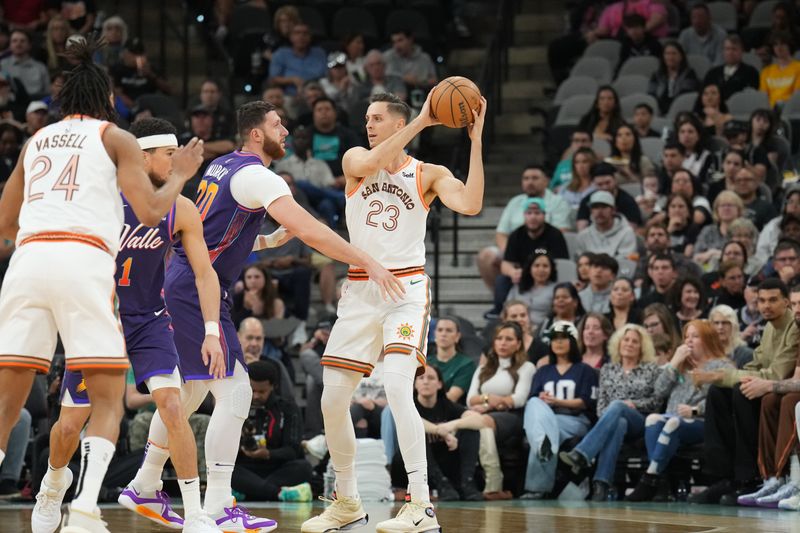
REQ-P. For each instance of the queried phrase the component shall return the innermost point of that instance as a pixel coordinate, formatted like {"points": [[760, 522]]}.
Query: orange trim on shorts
{"points": [[66, 236], [151, 443], [347, 364], [358, 186], [359, 274], [24, 361], [97, 363], [405, 349], [419, 187]]}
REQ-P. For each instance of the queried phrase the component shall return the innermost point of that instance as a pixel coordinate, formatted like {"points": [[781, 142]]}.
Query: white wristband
{"points": [[273, 238], [212, 328]]}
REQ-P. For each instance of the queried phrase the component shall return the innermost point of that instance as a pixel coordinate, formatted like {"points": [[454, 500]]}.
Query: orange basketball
{"points": [[453, 100]]}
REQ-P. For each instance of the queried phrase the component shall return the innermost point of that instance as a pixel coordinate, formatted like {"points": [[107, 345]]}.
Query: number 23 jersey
{"points": [[386, 216]]}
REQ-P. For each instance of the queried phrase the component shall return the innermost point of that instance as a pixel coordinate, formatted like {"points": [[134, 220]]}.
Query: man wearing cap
{"points": [[534, 234], [561, 405], [603, 178], [609, 232], [293, 65], [33, 74], [35, 118], [149, 337], [558, 213]]}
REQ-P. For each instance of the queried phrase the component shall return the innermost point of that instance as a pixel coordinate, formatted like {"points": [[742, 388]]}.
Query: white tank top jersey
{"points": [[71, 186], [387, 215]]}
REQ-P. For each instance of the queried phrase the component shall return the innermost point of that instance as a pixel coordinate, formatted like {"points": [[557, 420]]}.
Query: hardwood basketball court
{"points": [[504, 517]]}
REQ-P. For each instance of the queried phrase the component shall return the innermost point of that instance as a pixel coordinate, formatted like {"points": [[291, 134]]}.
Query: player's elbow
{"points": [[472, 208]]}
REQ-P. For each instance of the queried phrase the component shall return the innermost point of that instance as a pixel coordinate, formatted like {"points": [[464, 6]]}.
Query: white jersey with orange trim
{"points": [[387, 216], [71, 191]]}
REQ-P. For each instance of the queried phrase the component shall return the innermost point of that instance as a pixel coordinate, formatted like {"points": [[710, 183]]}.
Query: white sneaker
{"points": [[342, 514], [414, 517], [237, 519], [317, 447], [202, 523], [788, 490], [790, 504], [81, 522], [769, 487], [46, 516]]}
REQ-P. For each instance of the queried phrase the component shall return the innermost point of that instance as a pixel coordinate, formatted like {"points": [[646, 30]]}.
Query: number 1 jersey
{"points": [[387, 216], [71, 184]]}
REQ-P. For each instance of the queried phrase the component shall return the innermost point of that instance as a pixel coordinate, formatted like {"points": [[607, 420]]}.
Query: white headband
{"points": [[157, 141]]}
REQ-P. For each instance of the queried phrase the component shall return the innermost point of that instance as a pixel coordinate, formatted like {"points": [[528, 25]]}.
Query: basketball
{"points": [[453, 100]]}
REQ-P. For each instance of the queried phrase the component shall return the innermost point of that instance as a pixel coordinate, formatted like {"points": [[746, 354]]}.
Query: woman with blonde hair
{"points": [[708, 246], [682, 423], [115, 35], [626, 397], [58, 31], [743, 231], [725, 322], [496, 397]]}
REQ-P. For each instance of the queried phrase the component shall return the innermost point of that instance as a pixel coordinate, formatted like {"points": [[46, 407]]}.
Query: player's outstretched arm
{"points": [[308, 229], [149, 204], [11, 201], [190, 227], [277, 238], [359, 162], [465, 198]]}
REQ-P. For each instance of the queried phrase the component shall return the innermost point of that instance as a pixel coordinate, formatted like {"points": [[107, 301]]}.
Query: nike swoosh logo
{"points": [[416, 523], [159, 313], [415, 282], [189, 482], [222, 464]]}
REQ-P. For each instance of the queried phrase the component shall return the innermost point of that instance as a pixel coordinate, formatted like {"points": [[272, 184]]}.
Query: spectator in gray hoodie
{"points": [[609, 233]]}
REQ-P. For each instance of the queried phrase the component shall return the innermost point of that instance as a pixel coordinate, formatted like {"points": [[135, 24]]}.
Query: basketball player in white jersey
{"points": [[388, 194], [62, 206]]}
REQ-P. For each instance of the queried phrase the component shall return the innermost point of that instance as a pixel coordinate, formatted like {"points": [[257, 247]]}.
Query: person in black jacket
{"points": [[733, 75], [636, 42], [270, 465]]}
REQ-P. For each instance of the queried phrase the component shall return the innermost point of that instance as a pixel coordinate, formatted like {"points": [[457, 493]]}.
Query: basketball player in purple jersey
{"points": [[148, 336], [62, 205], [235, 194]]}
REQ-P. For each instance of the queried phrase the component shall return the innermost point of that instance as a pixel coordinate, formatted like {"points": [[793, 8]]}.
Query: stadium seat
{"points": [[163, 106], [573, 109], [593, 67], [700, 64], [752, 59], [572, 244], [626, 267], [607, 48], [682, 102], [724, 14], [411, 19], [743, 103], [652, 147], [634, 189], [601, 147], [761, 17], [791, 108], [629, 103], [246, 18], [575, 85], [351, 20], [566, 271], [643, 66], [316, 22], [630, 84]]}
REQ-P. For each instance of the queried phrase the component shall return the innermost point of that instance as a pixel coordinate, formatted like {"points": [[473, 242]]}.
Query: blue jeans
{"points": [[664, 434], [605, 439], [17, 445], [540, 422], [389, 434], [329, 203]]}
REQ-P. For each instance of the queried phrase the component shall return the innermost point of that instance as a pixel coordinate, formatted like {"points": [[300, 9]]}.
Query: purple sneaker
{"points": [[237, 519], [153, 505]]}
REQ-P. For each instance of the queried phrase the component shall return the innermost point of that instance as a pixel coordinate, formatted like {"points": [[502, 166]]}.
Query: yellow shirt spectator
{"points": [[780, 82]]}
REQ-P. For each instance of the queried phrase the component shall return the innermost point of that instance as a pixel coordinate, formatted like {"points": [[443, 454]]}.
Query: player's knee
{"points": [[240, 398], [171, 408], [396, 390], [70, 427]]}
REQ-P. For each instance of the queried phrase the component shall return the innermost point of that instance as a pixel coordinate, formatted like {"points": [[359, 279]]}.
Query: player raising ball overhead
{"points": [[388, 197]]}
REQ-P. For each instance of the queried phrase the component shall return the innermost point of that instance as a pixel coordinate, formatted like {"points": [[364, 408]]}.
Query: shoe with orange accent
{"points": [[153, 505]]}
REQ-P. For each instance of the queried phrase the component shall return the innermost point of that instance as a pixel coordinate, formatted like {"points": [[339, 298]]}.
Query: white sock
{"points": [[96, 454], [652, 468], [794, 469], [55, 477], [149, 474], [218, 488], [2, 456], [190, 492]]}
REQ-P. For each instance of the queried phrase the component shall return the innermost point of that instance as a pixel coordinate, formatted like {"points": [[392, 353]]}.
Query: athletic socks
{"points": [[55, 477], [149, 474], [218, 488], [341, 437], [96, 454], [190, 492]]}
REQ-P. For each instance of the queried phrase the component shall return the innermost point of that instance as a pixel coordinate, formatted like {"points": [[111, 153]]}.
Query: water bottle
{"points": [[682, 494]]}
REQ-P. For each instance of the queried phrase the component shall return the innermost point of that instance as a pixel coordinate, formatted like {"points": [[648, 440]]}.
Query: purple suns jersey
{"points": [[140, 263], [230, 229]]}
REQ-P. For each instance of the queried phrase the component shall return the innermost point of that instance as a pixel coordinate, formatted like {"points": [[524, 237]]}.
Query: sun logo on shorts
{"points": [[405, 332], [81, 386]]}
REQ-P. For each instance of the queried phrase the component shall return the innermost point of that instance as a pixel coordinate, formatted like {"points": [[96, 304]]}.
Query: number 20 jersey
{"points": [[387, 215], [71, 183]]}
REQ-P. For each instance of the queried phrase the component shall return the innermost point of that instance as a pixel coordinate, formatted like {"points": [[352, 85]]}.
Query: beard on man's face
{"points": [[272, 148]]}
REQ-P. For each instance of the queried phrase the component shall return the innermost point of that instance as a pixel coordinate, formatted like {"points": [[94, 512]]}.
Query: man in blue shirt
{"points": [[291, 66]]}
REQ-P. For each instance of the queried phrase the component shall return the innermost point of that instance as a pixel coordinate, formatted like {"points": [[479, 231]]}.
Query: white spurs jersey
{"points": [[387, 215], [71, 190]]}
